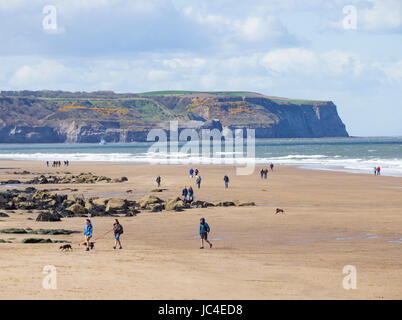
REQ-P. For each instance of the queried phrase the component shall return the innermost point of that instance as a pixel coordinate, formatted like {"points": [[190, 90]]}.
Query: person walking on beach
{"points": [[158, 181], [262, 173], [226, 180], [190, 194], [191, 173], [88, 232], [375, 171], [204, 230], [271, 166], [47, 164], [184, 193], [378, 171], [265, 173], [118, 231], [196, 172], [198, 181]]}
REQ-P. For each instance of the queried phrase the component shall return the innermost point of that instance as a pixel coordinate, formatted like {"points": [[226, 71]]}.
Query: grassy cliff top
{"points": [[110, 95]]}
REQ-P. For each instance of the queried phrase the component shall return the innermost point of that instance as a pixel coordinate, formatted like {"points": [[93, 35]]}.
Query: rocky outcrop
{"points": [[48, 216], [175, 204], [67, 179]]}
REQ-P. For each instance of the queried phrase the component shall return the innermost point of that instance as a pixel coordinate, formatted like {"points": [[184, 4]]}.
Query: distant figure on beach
{"points": [[375, 171], [88, 232], [190, 194], [262, 173], [184, 193], [271, 166], [158, 181], [204, 230], [196, 172], [118, 231], [226, 180], [47, 164], [378, 171], [198, 181], [265, 173], [191, 173]]}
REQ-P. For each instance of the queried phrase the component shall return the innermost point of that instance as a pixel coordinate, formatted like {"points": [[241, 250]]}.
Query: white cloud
{"points": [[9, 6], [383, 15], [391, 71], [372, 15], [176, 63], [305, 62], [342, 62], [39, 75], [233, 29], [290, 60]]}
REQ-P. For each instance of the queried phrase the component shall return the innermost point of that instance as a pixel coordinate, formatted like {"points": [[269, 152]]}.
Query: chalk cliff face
{"points": [[56, 117]]}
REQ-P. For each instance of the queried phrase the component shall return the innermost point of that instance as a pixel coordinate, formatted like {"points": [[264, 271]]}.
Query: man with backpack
{"points": [[118, 231], [204, 230]]}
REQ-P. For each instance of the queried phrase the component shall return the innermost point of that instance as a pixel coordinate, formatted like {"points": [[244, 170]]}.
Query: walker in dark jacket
{"points": [[204, 230]]}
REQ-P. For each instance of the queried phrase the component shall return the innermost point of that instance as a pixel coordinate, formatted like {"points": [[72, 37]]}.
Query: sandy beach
{"points": [[331, 219]]}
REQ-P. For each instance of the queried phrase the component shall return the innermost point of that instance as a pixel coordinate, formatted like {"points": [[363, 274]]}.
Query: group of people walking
{"points": [[264, 172], [195, 173], [117, 230], [188, 194], [56, 164], [377, 171]]}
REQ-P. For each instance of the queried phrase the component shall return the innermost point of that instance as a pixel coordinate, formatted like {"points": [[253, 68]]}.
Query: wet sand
{"points": [[331, 220]]}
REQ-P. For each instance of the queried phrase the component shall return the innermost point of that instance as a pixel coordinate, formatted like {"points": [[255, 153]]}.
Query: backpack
{"points": [[119, 229]]}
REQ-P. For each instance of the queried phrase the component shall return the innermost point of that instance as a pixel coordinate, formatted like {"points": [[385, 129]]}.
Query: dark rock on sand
{"points": [[14, 231], [48, 216], [175, 204], [37, 240], [202, 204], [149, 200], [226, 204], [157, 207], [244, 203]]}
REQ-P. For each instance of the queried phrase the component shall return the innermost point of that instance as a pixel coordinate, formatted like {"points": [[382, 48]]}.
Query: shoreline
{"points": [[311, 167], [354, 155]]}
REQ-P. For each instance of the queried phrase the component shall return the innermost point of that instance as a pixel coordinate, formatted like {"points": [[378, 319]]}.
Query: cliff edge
{"points": [[79, 117]]}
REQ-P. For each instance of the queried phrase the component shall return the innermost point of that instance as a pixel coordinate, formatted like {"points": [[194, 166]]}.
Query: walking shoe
{"points": [[114, 247], [120, 248], [201, 247]]}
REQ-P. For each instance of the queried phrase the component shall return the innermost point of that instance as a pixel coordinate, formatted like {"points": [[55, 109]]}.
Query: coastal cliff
{"points": [[57, 117]]}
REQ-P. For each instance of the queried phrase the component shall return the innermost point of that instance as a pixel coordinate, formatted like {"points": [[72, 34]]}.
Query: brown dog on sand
{"points": [[66, 247]]}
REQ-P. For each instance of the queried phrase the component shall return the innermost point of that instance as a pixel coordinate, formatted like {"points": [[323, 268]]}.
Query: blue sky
{"points": [[289, 48]]}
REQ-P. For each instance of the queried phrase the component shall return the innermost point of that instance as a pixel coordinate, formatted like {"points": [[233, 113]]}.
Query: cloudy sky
{"points": [[310, 49]]}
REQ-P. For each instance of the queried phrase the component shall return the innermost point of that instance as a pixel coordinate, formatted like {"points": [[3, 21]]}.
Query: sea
{"points": [[354, 154]]}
